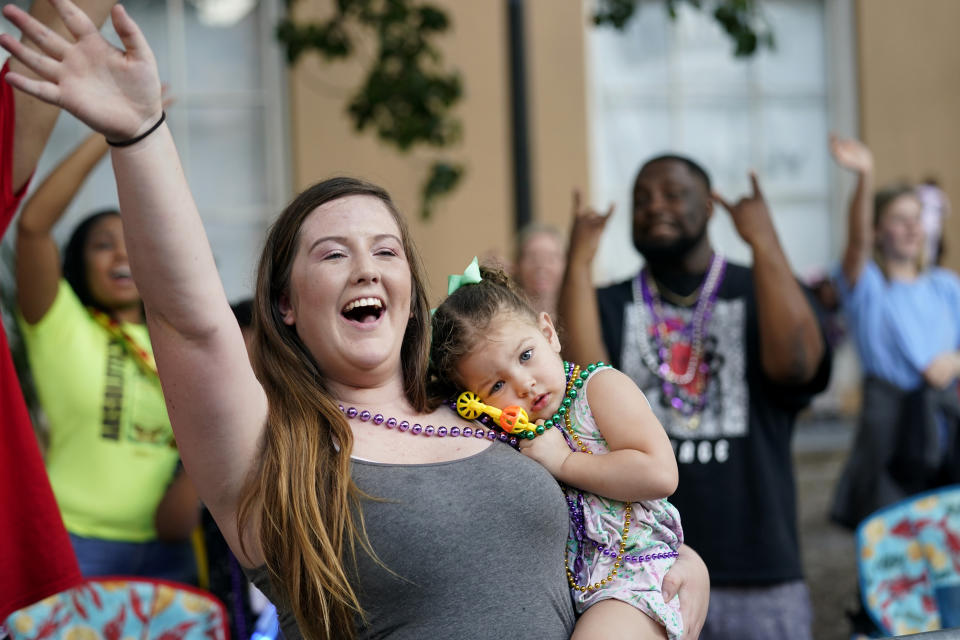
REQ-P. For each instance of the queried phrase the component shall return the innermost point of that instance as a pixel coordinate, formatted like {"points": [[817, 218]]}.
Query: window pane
{"points": [[797, 62], [220, 57], [806, 225], [226, 161], [703, 55], [718, 133], [236, 249], [632, 131], [636, 57], [795, 159]]}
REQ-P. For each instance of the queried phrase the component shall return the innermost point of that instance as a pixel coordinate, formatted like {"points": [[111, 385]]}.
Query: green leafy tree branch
{"points": [[740, 19], [407, 96]]}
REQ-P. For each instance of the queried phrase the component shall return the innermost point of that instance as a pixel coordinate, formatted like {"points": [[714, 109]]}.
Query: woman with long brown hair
{"points": [[364, 510]]}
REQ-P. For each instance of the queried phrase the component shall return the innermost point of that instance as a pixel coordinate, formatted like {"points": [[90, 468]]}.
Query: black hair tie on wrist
{"points": [[127, 143]]}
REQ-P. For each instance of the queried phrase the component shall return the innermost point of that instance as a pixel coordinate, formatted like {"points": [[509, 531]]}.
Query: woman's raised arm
{"points": [[854, 155], [215, 403], [38, 261]]}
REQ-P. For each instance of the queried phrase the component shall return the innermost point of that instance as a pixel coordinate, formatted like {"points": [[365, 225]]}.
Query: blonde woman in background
{"points": [[904, 318]]}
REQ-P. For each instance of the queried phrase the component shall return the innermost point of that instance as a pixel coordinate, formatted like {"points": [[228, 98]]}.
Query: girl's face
{"points": [[900, 230], [107, 266], [517, 362], [350, 290]]}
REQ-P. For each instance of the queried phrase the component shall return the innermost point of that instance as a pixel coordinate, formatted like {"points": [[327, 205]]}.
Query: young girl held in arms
{"points": [[593, 430]]}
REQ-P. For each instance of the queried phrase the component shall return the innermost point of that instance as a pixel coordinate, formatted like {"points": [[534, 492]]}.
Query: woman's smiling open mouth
{"points": [[121, 274], [363, 310]]}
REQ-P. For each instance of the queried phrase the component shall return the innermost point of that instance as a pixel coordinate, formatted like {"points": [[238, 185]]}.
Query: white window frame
{"points": [[841, 111], [251, 219]]}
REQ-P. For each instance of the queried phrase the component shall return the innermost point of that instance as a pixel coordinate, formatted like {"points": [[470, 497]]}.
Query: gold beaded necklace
{"points": [[627, 510], [675, 298]]}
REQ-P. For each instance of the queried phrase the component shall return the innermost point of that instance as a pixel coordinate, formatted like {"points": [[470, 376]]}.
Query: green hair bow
{"points": [[471, 275]]}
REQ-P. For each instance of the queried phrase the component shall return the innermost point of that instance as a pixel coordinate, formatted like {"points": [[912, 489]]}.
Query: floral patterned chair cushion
{"points": [[121, 608], [909, 563]]}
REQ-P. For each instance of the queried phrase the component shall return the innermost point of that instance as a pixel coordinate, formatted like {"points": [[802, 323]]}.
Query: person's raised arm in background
{"points": [[38, 260], [579, 315], [854, 155], [791, 343]]}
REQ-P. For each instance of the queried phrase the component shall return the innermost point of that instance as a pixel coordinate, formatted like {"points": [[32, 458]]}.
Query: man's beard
{"points": [[672, 251]]}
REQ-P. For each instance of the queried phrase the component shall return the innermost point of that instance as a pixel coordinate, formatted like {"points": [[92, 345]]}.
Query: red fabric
{"points": [[36, 558]]}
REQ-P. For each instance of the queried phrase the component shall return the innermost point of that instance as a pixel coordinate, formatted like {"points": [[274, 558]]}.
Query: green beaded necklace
{"points": [[575, 381]]}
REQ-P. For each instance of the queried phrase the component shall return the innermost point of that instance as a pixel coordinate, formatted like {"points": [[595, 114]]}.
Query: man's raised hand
{"points": [[750, 215], [588, 226]]}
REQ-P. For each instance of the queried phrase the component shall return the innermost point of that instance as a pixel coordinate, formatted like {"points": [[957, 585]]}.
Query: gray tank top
{"points": [[477, 545]]}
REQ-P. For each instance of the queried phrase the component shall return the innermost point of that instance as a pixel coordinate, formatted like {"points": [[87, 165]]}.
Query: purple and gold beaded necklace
{"points": [[686, 391]]}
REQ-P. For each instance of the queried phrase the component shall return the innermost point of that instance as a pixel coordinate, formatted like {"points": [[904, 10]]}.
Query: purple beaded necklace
{"points": [[576, 518], [673, 385], [416, 429]]}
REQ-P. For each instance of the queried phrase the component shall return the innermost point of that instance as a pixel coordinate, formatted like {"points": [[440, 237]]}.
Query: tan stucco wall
{"points": [[909, 65], [558, 117], [478, 217]]}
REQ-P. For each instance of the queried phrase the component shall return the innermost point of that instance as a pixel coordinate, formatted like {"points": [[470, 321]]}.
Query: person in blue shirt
{"points": [[905, 322]]}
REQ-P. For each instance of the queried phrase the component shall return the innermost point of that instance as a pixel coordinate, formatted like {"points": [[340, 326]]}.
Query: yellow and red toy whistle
{"points": [[512, 419]]}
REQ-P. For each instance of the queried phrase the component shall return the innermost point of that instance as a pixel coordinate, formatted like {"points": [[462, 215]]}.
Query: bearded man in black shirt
{"points": [[727, 355]]}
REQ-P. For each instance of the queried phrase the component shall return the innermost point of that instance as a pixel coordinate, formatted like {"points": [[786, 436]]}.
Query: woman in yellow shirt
{"points": [[111, 454]]}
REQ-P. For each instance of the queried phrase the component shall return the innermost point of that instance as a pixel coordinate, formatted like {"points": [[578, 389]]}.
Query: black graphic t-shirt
{"points": [[736, 493]]}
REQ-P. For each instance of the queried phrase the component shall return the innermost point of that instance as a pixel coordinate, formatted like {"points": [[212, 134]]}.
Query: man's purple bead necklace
{"points": [[688, 403]]}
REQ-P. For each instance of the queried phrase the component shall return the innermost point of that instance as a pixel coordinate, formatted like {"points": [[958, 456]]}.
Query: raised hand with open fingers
{"points": [[588, 226], [113, 91], [751, 215], [851, 154]]}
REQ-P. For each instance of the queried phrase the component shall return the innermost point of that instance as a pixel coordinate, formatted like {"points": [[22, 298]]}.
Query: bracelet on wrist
{"points": [[130, 141]]}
